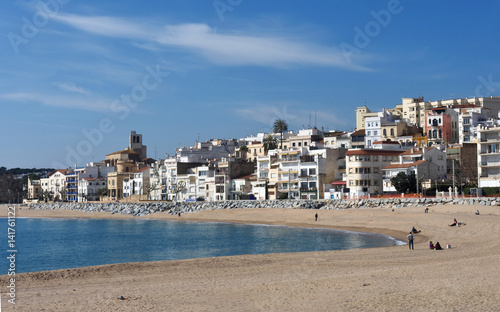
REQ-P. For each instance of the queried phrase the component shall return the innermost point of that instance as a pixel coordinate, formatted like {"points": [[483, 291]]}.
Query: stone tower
{"points": [[135, 144]]}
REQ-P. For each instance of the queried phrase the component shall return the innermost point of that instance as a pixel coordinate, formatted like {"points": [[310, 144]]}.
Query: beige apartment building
{"points": [[364, 169]]}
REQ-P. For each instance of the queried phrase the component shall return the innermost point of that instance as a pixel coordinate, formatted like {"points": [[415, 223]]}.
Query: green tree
{"points": [[280, 126], [269, 143], [404, 183], [244, 151]]}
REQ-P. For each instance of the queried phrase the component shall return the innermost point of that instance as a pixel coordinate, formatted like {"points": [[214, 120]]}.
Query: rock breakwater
{"points": [[173, 208]]}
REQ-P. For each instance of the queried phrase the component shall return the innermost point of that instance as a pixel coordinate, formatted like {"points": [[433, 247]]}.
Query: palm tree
{"points": [[280, 126], [244, 151], [269, 143]]}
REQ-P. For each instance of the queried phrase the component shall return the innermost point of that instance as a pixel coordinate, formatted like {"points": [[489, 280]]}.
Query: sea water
{"points": [[55, 243]]}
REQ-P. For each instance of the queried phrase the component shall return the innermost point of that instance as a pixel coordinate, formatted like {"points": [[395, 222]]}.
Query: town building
{"points": [[364, 170], [90, 189], [425, 163], [488, 154], [56, 184], [34, 189], [441, 126]]}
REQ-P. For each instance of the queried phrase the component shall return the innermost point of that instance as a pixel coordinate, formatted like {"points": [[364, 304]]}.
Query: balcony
{"points": [[489, 153], [309, 189], [490, 177], [486, 140], [490, 164]]}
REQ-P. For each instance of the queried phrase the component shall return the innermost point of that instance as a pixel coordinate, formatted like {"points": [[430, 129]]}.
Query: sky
{"points": [[77, 76]]}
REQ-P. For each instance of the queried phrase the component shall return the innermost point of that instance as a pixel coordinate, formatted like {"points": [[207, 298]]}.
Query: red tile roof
{"points": [[63, 171], [126, 151], [141, 170]]}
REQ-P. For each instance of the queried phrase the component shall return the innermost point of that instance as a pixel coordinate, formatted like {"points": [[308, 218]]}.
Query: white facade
{"points": [[88, 188], [428, 163], [57, 184], [488, 154], [373, 127], [468, 122]]}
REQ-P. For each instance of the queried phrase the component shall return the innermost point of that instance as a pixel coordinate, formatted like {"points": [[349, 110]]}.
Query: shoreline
{"points": [[371, 279]]}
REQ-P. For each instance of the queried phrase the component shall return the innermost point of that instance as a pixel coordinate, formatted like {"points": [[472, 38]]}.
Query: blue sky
{"points": [[78, 76]]}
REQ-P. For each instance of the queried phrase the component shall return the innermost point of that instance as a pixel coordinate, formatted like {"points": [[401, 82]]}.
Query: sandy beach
{"points": [[463, 278]]}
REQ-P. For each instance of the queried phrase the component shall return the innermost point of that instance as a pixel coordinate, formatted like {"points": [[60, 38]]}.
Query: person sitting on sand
{"points": [[477, 212], [438, 246], [414, 230], [431, 245], [455, 222]]}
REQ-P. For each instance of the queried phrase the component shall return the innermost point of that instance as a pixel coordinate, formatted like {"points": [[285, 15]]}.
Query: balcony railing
{"points": [[309, 189], [490, 164], [490, 176], [484, 140]]}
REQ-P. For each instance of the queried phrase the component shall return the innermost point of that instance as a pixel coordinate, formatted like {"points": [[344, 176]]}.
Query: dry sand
{"points": [[464, 278]]}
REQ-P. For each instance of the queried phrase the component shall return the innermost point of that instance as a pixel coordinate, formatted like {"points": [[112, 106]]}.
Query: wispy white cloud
{"points": [[218, 48], [104, 25], [72, 102], [72, 88]]}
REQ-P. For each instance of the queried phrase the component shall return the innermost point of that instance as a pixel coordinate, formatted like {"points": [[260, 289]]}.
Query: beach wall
{"points": [[142, 209]]}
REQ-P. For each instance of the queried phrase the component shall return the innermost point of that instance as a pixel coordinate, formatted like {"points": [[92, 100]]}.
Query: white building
{"points": [[469, 119], [488, 154], [88, 188], [373, 127], [74, 176], [337, 139], [140, 182], [426, 164], [56, 187], [202, 152]]}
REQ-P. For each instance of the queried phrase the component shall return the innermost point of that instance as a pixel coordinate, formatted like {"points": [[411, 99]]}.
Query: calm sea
{"points": [[50, 244]]}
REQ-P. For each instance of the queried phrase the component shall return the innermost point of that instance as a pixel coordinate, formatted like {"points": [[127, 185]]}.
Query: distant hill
{"points": [[13, 180], [18, 171]]}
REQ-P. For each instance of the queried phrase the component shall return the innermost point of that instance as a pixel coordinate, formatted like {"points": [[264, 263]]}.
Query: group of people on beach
{"points": [[435, 247]]}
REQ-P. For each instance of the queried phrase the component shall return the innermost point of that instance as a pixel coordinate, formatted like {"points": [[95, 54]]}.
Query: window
{"points": [[369, 133], [385, 132], [305, 143], [375, 132], [392, 132], [312, 171]]}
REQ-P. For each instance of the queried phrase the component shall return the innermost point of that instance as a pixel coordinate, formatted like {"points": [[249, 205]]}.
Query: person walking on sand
{"points": [[316, 217], [410, 240]]}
